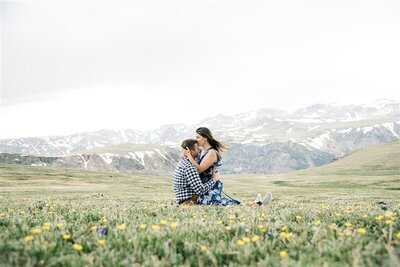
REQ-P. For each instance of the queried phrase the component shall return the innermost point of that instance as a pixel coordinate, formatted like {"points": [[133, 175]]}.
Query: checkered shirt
{"points": [[187, 182]]}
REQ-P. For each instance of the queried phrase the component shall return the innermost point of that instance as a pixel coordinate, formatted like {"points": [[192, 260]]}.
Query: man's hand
{"points": [[215, 176]]}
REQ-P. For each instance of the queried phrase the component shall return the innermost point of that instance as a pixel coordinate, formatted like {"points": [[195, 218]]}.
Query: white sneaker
{"points": [[267, 199]]}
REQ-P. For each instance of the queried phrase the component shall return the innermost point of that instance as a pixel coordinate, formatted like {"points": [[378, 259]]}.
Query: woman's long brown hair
{"points": [[206, 133]]}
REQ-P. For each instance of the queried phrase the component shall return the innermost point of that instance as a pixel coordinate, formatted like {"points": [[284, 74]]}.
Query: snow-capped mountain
{"points": [[318, 133], [330, 112], [343, 141]]}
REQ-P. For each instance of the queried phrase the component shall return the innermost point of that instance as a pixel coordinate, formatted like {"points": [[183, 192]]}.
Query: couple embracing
{"points": [[196, 177]]}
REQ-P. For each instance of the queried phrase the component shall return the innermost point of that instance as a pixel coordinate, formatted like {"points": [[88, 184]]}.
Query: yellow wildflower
{"points": [[66, 236], [260, 226], [365, 216], [163, 222], [347, 233], [284, 228], [203, 248], [298, 218], [247, 230], [28, 238], [228, 228], [46, 228], [340, 234], [77, 247], [361, 231], [286, 235], [388, 222], [121, 227], [398, 235], [173, 225], [283, 254], [59, 225], [219, 222], [101, 242], [246, 239], [155, 227], [231, 217], [337, 214], [348, 224], [317, 223], [388, 214], [142, 226], [93, 228], [379, 218], [36, 231], [255, 238], [240, 242]]}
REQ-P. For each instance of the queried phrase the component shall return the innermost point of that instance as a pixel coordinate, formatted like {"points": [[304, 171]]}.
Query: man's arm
{"points": [[195, 183]]}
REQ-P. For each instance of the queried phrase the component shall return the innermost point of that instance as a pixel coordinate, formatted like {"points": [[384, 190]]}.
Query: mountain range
{"points": [[260, 141]]}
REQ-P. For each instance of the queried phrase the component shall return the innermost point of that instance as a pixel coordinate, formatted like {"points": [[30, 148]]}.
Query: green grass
{"points": [[317, 218]]}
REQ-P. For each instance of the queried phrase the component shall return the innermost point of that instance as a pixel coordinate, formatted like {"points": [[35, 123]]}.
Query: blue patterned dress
{"points": [[215, 195]]}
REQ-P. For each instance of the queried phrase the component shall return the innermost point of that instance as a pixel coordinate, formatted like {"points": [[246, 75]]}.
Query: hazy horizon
{"points": [[75, 66]]}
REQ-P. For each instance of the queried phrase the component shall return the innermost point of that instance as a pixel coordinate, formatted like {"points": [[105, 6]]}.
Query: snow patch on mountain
{"points": [[107, 157], [161, 154], [318, 142], [139, 156], [345, 131], [390, 127], [366, 129]]}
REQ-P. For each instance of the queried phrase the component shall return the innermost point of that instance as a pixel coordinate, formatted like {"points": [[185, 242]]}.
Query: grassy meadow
{"points": [[342, 214]]}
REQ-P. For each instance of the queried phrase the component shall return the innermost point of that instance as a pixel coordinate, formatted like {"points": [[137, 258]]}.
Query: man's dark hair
{"points": [[190, 143]]}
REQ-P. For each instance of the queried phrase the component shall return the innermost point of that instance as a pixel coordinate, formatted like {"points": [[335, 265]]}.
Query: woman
{"points": [[207, 162]]}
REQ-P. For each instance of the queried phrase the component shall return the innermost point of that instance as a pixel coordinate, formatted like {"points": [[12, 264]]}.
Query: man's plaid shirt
{"points": [[187, 182]]}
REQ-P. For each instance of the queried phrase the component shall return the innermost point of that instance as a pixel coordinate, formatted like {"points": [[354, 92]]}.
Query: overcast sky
{"points": [[70, 66]]}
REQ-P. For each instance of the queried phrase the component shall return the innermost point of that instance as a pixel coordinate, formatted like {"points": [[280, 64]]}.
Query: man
{"points": [[186, 180]]}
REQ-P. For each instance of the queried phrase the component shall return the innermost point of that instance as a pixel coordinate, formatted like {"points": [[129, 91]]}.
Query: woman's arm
{"points": [[207, 161]]}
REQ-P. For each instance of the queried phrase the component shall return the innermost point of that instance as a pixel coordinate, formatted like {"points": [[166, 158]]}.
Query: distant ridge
{"points": [[261, 141]]}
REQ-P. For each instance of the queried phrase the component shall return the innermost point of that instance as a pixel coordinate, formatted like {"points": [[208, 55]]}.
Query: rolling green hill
{"points": [[375, 160], [370, 173]]}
